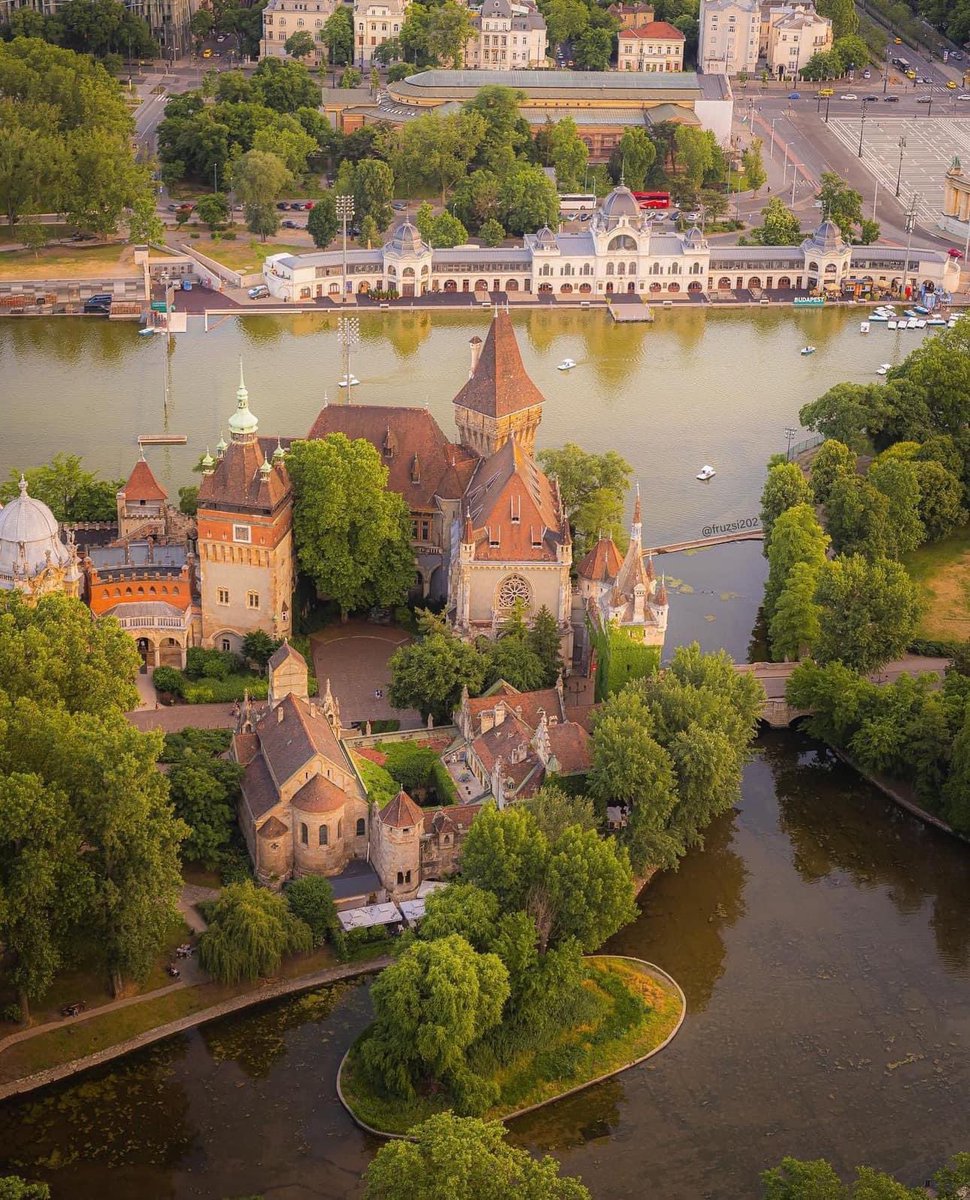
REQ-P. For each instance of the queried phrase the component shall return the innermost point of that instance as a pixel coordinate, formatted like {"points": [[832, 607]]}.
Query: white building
{"points": [[283, 18], [619, 250], [730, 33], [375, 22], [658, 46], [508, 37], [794, 34]]}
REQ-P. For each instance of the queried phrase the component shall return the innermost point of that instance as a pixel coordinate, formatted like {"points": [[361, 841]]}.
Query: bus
{"points": [[575, 202], [652, 199]]}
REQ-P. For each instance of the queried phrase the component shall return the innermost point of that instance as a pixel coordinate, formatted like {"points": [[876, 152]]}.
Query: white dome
{"points": [[29, 538], [619, 205], [242, 422]]}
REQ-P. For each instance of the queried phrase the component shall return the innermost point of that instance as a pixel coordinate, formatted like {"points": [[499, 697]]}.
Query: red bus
{"points": [[652, 199]]}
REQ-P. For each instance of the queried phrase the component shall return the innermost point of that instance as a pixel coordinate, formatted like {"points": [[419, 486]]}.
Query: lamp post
{"points": [[345, 211], [899, 173], [790, 435], [771, 144], [885, 75], [862, 126], [348, 331], [910, 226], [827, 100]]}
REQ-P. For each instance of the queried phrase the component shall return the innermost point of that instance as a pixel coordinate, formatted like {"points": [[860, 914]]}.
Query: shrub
{"points": [[167, 679], [311, 899], [225, 691]]}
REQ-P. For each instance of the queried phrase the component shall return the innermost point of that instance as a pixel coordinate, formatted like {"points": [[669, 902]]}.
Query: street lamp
{"points": [[899, 173], [910, 226], [827, 100], [790, 435], [862, 126], [345, 211], [348, 332], [771, 145]]}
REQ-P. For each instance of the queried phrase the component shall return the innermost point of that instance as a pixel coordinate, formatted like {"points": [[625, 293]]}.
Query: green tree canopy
{"points": [[796, 537], [833, 460], [352, 534], [12, 1187], [779, 225], [555, 811], [505, 853], [250, 931], [449, 1157], [785, 487], [868, 611], [285, 86], [527, 199], [338, 36], [593, 488], [70, 492], [941, 497], [635, 156], [204, 792], [429, 674], [311, 900], [300, 44], [841, 204], [464, 909]]}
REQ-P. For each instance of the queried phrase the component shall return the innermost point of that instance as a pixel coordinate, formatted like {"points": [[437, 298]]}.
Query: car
{"points": [[185, 207], [924, 99], [951, 86], [956, 55], [890, 99], [848, 96], [221, 37], [869, 99], [691, 216], [207, 52], [794, 95], [867, 74], [923, 79], [954, 253], [290, 225], [819, 203], [260, 292], [82, 235], [399, 206], [172, 207], [897, 41], [307, 207], [964, 96], [282, 204], [826, 92], [584, 216], [911, 75]]}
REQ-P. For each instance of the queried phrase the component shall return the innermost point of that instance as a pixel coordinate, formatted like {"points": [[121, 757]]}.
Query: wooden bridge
{"points": [[720, 539], [774, 678]]}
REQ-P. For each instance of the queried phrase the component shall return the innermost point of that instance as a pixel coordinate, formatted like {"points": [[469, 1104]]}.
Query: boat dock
{"points": [[633, 310], [162, 439]]}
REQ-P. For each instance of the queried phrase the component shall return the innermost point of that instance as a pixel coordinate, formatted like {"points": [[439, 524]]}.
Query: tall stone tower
{"points": [[245, 523], [395, 848], [499, 401]]}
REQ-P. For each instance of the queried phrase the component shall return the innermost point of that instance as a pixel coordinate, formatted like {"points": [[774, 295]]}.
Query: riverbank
{"points": [[619, 1039], [79, 1046]]}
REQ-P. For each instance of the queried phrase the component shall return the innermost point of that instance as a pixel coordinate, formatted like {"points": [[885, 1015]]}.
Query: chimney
{"points": [[475, 345]]}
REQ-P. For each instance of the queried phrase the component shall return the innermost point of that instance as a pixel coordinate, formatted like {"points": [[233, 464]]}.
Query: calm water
{"points": [[695, 387], [821, 936]]}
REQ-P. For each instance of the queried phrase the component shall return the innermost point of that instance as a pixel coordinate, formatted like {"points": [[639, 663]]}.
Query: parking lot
{"points": [[931, 143]]}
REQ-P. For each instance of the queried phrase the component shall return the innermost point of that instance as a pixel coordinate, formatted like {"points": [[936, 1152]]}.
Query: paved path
{"points": [[180, 716], [354, 657]]}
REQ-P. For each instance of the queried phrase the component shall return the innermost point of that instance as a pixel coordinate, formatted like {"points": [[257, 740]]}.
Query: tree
{"points": [[463, 909], [258, 647], [491, 233], [527, 200], [441, 231], [941, 497], [796, 537], [779, 225], [545, 639], [590, 887], [565, 20], [310, 899], [204, 793], [370, 235], [435, 151], [213, 209], [594, 49], [795, 1180], [449, 1156], [70, 492], [338, 36], [201, 24], [476, 199], [592, 487], [259, 179], [430, 674], [950, 1178], [285, 86], [857, 517], [513, 659], [784, 488], [824, 64], [846, 412], [102, 28], [371, 183], [840, 203], [867, 612], [352, 534], [506, 130], [753, 166], [898, 483], [430, 1006], [793, 626], [505, 853], [436, 34], [845, 19], [262, 220], [189, 500], [568, 154], [250, 931], [833, 460], [299, 44], [12, 1187], [351, 77], [322, 223], [637, 154], [555, 811]]}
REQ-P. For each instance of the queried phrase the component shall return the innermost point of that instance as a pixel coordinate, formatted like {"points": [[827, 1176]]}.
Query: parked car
{"points": [[954, 253], [924, 99], [207, 52], [964, 96], [290, 225], [890, 99], [951, 86], [826, 91], [897, 41], [260, 292], [848, 96], [308, 206], [398, 206], [82, 235], [794, 95], [221, 37], [282, 204], [867, 74]]}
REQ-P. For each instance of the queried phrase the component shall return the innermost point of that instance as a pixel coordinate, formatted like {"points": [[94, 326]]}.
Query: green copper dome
{"points": [[242, 423]]}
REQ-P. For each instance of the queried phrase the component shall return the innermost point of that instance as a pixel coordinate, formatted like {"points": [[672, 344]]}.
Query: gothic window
{"points": [[361, 826], [340, 829], [400, 878], [323, 835], [407, 876], [609, 268], [513, 589], [304, 834]]}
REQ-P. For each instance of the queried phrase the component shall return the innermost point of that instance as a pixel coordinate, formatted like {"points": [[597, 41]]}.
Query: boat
{"points": [[567, 364], [149, 330], [884, 368], [922, 310], [879, 315], [911, 313], [891, 325], [952, 321], [353, 381], [706, 472], [912, 323], [921, 323], [864, 327], [936, 321], [808, 350]]}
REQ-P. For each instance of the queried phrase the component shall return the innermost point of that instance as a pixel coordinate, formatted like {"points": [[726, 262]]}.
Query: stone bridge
{"points": [[774, 678], [718, 539]]}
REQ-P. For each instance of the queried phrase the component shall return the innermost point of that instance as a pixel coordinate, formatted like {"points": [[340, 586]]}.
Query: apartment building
{"points": [[375, 22], [283, 18], [657, 46], [508, 37], [730, 34], [794, 34]]}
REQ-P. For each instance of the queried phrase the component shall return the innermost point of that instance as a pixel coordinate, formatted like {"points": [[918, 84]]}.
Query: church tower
{"points": [[245, 523], [499, 401]]}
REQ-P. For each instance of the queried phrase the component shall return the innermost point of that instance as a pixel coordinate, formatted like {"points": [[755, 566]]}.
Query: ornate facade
{"points": [[33, 559]]}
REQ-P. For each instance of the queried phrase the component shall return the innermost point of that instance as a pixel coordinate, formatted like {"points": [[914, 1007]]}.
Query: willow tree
{"points": [[250, 931]]}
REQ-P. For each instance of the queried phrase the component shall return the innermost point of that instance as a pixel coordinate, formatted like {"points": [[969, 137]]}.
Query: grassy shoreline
{"points": [[575, 1059], [943, 569]]}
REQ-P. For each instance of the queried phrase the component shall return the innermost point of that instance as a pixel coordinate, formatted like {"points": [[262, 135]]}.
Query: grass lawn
{"points": [[943, 569], [246, 254], [67, 262], [634, 1012], [86, 1037]]}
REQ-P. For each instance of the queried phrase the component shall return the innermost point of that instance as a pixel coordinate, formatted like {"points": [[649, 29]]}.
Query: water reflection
{"points": [[590, 1116]]}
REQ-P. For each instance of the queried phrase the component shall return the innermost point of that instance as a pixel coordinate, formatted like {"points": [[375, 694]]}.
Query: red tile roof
{"points": [[603, 562], [142, 484], [401, 812], [273, 828], [499, 385], [319, 795], [237, 481], [525, 705], [420, 461], [655, 31], [570, 743], [293, 733], [512, 502], [456, 819], [282, 653]]}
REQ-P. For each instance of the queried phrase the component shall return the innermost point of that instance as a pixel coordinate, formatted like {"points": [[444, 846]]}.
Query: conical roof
{"points": [[142, 484], [499, 385], [401, 812]]}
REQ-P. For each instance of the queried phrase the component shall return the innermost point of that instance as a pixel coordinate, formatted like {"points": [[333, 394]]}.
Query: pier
{"points": [[721, 539]]}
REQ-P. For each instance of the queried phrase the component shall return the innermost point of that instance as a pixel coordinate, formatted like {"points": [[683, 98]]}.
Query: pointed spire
{"points": [[660, 599], [208, 462], [241, 393], [23, 484], [636, 506], [242, 424], [468, 536], [221, 446]]}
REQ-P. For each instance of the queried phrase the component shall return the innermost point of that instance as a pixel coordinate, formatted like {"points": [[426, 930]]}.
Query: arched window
{"points": [[621, 268], [513, 589], [609, 268], [675, 268], [622, 241], [400, 877], [813, 266], [340, 829], [361, 826], [304, 834], [632, 269], [656, 268], [323, 835]]}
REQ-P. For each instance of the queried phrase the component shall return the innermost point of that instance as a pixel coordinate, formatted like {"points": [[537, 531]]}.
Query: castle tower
{"points": [[396, 845], [499, 400], [245, 523], [141, 503]]}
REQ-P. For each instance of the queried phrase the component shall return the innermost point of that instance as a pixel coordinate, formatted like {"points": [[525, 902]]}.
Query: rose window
{"points": [[512, 591]]}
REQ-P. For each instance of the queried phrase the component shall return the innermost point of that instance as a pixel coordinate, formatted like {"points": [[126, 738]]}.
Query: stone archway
{"points": [[695, 286], [171, 653], [481, 285], [784, 283], [566, 288], [511, 285], [451, 285], [724, 284]]}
